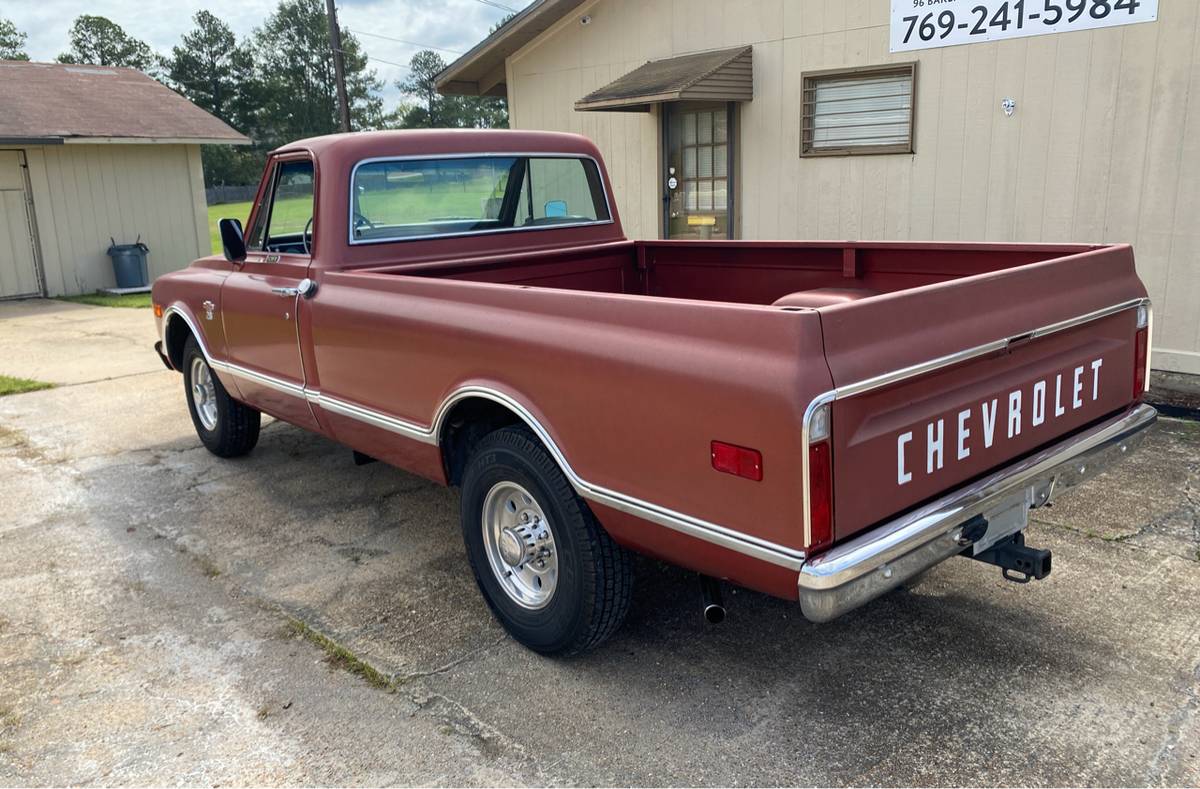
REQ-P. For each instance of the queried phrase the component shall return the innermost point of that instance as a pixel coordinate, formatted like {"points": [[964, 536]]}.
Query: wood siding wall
{"points": [[1104, 145], [84, 194]]}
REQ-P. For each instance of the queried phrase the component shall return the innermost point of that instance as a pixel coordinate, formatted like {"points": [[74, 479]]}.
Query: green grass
{"points": [[133, 300], [10, 385], [224, 211], [338, 656]]}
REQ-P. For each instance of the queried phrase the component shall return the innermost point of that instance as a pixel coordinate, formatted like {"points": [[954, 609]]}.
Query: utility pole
{"points": [[339, 65]]}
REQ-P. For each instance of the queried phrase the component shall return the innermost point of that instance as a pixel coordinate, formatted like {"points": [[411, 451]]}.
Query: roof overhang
{"points": [[719, 75], [78, 140], [153, 141], [481, 72], [31, 140]]}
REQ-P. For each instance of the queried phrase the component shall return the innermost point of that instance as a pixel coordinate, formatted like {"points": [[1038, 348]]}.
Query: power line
{"points": [[402, 41], [381, 60], [501, 6]]}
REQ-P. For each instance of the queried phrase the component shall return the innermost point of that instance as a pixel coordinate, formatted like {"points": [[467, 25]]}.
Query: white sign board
{"points": [[924, 24]]}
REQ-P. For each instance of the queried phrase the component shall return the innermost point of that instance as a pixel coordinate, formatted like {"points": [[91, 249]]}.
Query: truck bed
{"points": [[882, 308], [750, 272]]}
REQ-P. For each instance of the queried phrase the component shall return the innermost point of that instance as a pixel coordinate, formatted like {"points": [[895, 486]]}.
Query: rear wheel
{"points": [[226, 427], [549, 572]]}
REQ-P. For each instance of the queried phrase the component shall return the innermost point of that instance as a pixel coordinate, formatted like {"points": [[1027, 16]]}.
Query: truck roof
{"points": [[346, 149]]}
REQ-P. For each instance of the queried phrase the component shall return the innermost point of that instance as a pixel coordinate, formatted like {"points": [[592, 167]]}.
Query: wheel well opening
{"points": [[176, 337], [468, 422]]}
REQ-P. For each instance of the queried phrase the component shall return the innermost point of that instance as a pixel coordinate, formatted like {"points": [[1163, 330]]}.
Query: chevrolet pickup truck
{"points": [[820, 421]]}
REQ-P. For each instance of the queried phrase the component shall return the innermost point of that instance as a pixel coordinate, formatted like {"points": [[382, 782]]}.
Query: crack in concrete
{"points": [[405, 679], [1167, 757]]}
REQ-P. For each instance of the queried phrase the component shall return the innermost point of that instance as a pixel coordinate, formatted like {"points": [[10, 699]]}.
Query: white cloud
{"points": [[451, 24]]}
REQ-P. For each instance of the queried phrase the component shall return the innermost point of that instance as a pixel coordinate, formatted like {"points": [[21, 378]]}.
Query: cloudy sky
{"points": [[453, 25]]}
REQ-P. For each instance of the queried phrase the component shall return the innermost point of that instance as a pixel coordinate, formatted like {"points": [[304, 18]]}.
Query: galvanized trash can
{"points": [[129, 263]]}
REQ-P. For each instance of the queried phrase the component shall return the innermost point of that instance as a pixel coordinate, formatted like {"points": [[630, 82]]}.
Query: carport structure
{"points": [[93, 153]]}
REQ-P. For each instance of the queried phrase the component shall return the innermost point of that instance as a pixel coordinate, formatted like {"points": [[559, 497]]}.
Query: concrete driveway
{"points": [[166, 616]]}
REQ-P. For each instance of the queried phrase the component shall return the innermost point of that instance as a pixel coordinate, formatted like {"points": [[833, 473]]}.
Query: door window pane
{"points": [[705, 168], [689, 128], [288, 228], [720, 127], [720, 161], [704, 131]]}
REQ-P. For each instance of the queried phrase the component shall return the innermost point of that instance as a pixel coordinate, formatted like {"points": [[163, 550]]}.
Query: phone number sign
{"points": [[924, 24]]}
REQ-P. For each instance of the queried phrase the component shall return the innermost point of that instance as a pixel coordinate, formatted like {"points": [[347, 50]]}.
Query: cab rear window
{"points": [[396, 200]]}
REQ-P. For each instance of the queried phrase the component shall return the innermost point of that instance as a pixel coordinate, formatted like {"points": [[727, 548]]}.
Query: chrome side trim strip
{"points": [[401, 427], [175, 309], [253, 376], [716, 534], [923, 368]]}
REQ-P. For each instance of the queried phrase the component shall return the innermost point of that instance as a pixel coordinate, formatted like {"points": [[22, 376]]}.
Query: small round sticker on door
{"points": [[672, 182]]}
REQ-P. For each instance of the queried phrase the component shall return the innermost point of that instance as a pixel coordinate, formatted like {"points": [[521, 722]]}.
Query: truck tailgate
{"points": [[940, 384]]}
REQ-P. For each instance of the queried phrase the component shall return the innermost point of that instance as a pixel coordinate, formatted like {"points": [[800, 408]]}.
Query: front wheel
{"points": [[552, 576], [226, 427]]}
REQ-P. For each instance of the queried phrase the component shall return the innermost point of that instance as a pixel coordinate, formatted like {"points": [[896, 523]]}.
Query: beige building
{"points": [[89, 154], [766, 119]]}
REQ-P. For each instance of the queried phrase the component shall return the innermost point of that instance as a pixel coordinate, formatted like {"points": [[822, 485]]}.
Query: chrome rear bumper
{"points": [[860, 570]]}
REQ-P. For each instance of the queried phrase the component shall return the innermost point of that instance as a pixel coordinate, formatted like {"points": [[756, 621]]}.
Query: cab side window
{"points": [[285, 219]]}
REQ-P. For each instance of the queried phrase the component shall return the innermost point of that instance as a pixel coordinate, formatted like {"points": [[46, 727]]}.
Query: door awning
{"points": [[721, 75]]}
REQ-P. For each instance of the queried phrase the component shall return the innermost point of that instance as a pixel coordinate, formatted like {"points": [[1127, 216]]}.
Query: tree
{"points": [[211, 70], [102, 42], [12, 41], [202, 67], [295, 67], [433, 110]]}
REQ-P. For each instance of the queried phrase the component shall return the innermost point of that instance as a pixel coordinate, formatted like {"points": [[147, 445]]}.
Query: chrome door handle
{"points": [[307, 288]]}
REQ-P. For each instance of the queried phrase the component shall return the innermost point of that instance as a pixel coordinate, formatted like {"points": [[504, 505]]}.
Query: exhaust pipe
{"points": [[710, 600]]}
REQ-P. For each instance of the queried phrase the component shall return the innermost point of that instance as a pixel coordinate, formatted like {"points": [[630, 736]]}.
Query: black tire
{"points": [[236, 430], [594, 576]]}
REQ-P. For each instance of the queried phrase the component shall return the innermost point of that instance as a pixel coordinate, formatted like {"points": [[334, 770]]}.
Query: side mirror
{"points": [[232, 240]]}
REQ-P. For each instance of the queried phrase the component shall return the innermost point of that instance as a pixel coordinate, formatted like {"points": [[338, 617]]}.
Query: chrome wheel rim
{"points": [[204, 394], [519, 542]]}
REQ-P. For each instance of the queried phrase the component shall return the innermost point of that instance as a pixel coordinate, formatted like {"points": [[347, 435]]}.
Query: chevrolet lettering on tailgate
{"points": [[1017, 406]]}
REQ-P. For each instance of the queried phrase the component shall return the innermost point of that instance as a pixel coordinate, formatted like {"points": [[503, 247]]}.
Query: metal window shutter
{"points": [[867, 111]]}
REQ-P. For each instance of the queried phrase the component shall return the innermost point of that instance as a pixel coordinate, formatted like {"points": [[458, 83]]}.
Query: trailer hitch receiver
{"points": [[1017, 562]]}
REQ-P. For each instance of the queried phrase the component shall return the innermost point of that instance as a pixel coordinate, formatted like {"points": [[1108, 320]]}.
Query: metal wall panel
{"points": [[1103, 145]]}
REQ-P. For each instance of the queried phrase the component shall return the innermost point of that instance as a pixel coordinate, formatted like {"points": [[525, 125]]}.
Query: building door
{"points": [[18, 255], [698, 157]]}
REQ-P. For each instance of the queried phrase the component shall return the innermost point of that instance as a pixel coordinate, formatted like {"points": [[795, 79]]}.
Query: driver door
{"points": [[259, 298]]}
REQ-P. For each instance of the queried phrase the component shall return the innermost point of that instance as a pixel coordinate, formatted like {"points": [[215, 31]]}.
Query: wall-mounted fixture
{"points": [[1010, 106], [586, 19]]}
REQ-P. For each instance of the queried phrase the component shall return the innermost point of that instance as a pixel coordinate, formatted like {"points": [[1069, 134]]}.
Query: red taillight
{"points": [[820, 496], [739, 461], [1141, 345]]}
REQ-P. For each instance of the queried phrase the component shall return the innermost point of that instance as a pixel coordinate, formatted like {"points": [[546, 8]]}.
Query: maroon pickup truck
{"points": [[819, 421]]}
